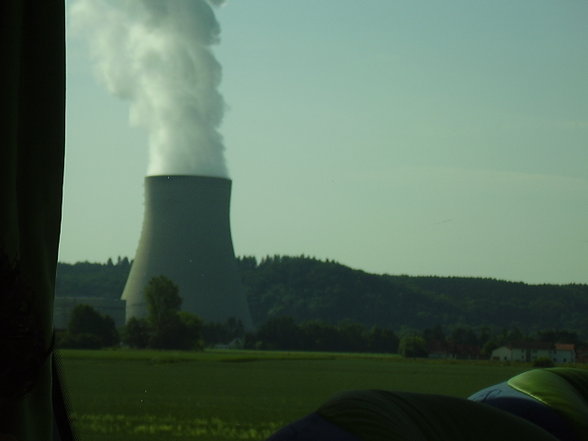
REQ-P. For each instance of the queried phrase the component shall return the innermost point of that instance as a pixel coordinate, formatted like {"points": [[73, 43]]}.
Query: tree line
{"points": [[311, 290], [284, 333], [166, 327]]}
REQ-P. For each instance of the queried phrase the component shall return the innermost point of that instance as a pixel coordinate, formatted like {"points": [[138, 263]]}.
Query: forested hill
{"points": [[307, 288], [89, 279]]}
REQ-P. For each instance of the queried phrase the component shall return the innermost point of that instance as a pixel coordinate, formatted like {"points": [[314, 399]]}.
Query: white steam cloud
{"points": [[157, 55]]}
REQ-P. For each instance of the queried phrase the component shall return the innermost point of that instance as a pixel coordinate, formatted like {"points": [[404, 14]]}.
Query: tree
{"points": [[382, 340], [137, 333], [463, 335], [215, 333], [163, 304], [320, 336], [558, 336], [280, 333], [412, 346], [89, 329], [191, 336], [170, 328], [435, 337], [352, 337]]}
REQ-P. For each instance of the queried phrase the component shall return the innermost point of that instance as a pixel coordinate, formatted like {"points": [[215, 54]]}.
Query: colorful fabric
{"points": [[504, 397], [564, 390]]}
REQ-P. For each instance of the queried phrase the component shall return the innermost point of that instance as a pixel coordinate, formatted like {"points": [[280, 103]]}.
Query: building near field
{"points": [[531, 351]]}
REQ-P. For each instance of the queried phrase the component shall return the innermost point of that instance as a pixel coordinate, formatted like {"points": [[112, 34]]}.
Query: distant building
{"points": [[63, 307], [565, 353], [531, 351]]}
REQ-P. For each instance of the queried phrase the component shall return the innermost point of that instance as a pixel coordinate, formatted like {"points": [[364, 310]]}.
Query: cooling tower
{"points": [[186, 237]]}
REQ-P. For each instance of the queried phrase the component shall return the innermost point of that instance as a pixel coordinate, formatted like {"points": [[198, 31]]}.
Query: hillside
{"points": [[307, 288]]}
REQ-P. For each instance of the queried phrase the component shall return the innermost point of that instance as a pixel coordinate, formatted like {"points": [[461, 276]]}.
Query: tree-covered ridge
{"points": [[508, 304], [90, 279], [310, 289]]}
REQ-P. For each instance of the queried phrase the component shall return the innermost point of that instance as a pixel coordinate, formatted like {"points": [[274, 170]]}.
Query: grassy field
{"points": [[238, 395]]}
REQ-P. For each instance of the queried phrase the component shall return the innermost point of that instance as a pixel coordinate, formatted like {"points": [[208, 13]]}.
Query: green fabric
{"points": [[375, 415], [563, 389], [576, 377], [32, 139]]}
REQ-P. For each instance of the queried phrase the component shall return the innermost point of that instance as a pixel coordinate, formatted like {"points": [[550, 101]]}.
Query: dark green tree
{"points": [[412, 346], [163, 304], [89, 329], [435, 337], [352, 337], [222, 333], [137, 333], [382, 340], [170, 328], [320, 336], [557, 336], [463, 335], [190, 336], [280, 333]]}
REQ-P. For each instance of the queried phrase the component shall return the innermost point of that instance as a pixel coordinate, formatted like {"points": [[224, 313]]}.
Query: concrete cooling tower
{"points": [[186, 237]]}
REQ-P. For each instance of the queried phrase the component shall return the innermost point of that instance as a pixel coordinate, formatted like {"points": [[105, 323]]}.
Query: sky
{"points": [[399, 137]]}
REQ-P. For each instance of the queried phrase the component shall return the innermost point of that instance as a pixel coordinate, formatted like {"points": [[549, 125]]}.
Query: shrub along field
{"points": [[238, 395]]}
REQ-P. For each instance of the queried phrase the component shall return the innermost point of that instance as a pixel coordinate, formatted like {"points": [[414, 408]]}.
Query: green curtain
{"points": [[32, 135]]}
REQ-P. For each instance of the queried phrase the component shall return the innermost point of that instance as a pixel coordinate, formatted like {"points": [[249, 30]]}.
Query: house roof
{"points": [[538, 345]]}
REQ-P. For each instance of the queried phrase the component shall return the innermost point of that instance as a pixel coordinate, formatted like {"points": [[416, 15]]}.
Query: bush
{"points": [[412, 346], [191, 326], [88, 328], [544, 362], [79, 341], [137, 333]]}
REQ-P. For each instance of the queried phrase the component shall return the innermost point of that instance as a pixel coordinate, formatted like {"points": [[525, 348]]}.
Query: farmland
{"points": [[238, 395]]}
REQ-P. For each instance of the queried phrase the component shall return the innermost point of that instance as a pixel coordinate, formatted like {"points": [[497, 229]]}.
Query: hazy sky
{"points": [[401, 137]]}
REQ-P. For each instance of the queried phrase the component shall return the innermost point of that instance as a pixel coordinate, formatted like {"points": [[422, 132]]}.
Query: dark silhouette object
{"points": [[22, 344], [163, 301], [137, 333], [378, 415], [166, 326], [88, 329], [32, 130], [539, 405], [544, 362]]}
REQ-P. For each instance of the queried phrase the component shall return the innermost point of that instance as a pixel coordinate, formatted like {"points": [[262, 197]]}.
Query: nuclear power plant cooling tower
{"points": [[186, 237]]}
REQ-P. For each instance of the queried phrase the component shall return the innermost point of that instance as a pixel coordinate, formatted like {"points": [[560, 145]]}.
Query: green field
{"points": [[238, 395]]}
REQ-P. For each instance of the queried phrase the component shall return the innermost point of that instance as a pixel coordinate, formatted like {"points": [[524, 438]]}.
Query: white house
{"points": [[531, 351], [565, 353]]}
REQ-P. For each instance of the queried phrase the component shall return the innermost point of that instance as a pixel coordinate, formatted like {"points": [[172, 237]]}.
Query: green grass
{"points": [[238, 395]]}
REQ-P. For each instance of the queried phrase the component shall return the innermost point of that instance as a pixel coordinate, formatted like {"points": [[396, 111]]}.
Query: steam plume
{"points": [[157, 55]]}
